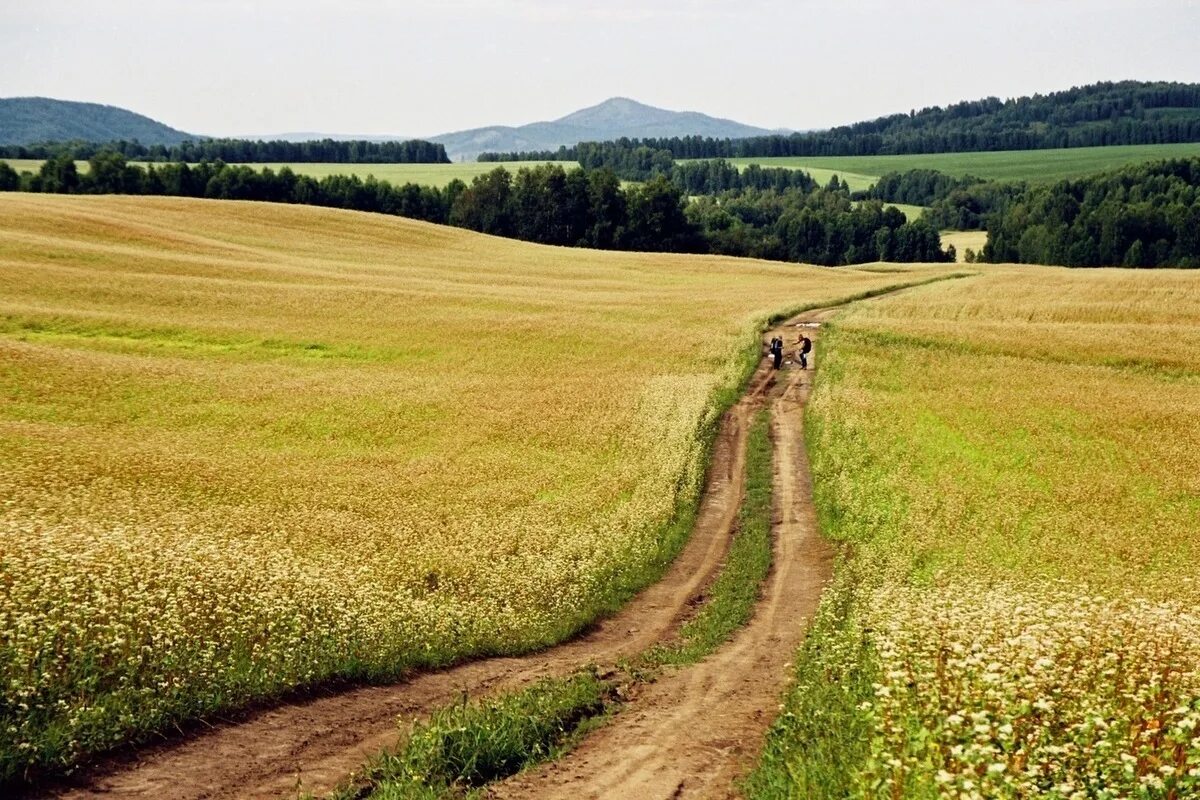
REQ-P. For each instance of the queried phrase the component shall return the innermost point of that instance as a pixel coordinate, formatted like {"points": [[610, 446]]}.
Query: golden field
{"points": [[251, 447], [1013, 462]]}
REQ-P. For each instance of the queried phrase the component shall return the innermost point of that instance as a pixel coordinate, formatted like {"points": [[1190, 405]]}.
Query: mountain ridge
{"points": [[613, 118], [34, 120]]}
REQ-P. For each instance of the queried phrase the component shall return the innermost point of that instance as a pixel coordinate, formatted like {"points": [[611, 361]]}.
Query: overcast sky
{"points": [[226, 67]]}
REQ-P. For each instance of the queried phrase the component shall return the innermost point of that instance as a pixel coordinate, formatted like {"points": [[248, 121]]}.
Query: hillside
{"points": [[614, 118], [27, 120], [286, 444]]}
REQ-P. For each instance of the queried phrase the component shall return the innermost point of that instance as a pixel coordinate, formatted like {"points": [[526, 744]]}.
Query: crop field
{"points": [[250, 447], [424, 174], [964, 240], [1014, 460], [31, 164], [1009, 165]]}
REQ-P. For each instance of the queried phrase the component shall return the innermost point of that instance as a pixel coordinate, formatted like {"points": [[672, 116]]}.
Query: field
{"points": [[425, 174], [1015, 165], [250, 447], [1014, 462], [964, 240]]}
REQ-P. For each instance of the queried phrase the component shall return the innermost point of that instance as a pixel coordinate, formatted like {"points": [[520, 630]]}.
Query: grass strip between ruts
{"points": [[734, 593]]}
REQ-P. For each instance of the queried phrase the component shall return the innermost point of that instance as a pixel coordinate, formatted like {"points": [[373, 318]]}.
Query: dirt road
{"points": [[312, 745], [694, 731]]}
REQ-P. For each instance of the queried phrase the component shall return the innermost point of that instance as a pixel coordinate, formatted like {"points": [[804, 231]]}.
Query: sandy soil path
{"points": [[694, 731], [312, 744]]}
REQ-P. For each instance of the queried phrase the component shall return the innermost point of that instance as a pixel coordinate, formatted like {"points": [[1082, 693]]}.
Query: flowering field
{"points": [[252, 447], [1013, 461]]}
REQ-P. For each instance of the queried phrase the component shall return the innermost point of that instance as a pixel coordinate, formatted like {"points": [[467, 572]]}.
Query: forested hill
{"points": [[25, 120], [1128, 112]]}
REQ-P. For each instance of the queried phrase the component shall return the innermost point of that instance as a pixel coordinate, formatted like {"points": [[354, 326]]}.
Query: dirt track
{"points": [[693, 732], [312, 745]]}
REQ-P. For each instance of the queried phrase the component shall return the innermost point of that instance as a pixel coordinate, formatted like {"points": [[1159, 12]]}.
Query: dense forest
{"points": [[547, 204], [961, 204], [1129, 112], [819, 227], [414, 151], [1140, 216], [1145, 215]]}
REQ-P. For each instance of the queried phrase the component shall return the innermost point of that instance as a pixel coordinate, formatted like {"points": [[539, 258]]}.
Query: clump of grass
{"points": [[732, 596], [821, 739], [472, 743]]}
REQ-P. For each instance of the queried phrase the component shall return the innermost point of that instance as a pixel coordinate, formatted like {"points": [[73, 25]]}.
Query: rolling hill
{"points": [[28, 120], [612, 119]]}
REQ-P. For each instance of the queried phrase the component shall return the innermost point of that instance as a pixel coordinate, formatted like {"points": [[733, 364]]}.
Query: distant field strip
{"points": [[423, 174], [249, 446], [1014, 460], [964, 240], [1027, 165]]}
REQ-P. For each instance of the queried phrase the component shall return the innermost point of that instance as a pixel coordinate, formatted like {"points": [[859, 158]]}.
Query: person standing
{"points": [[805, 348], [777, 351]]}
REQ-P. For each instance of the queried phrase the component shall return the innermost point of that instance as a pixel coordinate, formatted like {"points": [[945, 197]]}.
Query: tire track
{"points": [[694, 731]]}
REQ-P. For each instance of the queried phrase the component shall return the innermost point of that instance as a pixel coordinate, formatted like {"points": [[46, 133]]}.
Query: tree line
{"points": [[1146, 215], [957, 203], [1129, 112], [820, 227], [549, 205], [414, 151]]}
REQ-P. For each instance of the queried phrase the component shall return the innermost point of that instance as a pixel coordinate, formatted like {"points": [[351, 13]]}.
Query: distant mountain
{"points": [[612, 119], [27, 120]]}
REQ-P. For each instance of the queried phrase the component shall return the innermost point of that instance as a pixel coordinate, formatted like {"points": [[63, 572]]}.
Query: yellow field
{"points": [[1015, 459], [249, 446], [964, 240]]}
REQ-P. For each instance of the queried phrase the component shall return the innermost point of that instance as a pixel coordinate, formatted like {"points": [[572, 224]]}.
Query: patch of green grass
{"points": [[1008, 165], [732, 597], [470, 744], [29, 164], [817, 745], [909, 211]]}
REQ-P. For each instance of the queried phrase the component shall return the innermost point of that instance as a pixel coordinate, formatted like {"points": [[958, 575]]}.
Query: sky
{"points": [[238, 67]]}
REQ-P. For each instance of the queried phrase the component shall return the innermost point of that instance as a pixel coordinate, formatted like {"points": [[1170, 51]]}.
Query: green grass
{"points": [[470, 744], [732, 597], [29, 164], [909, 211], [859, 172], [424, 174], [1009, 165]]}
